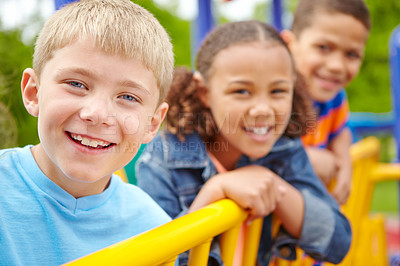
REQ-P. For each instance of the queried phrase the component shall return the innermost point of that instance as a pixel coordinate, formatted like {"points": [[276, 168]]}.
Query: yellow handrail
{"points": [[163, 243]]}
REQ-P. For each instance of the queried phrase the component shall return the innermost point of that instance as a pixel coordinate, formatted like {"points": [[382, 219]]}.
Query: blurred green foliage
{"points": [[370, 90], [15, 56], [178, 29]]}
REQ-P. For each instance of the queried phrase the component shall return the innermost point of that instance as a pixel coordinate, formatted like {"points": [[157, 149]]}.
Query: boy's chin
{"points": [[324, 96]]}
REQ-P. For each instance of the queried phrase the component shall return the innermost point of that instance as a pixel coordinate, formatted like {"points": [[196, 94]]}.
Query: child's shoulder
{"points": [[11, 154], [132, 199], [168, 142], [286, 144], [167, 148]]}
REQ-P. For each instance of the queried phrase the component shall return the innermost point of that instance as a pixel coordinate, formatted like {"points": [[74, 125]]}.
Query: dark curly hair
{"points": [[187, 113]]}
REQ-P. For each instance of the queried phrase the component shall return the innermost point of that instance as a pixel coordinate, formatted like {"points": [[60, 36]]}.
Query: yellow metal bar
{"points": [[170, 262], [228, 244], [159, 245], [386, 172], [252, 242], [198, 255], [368, 147], [121, 173]]}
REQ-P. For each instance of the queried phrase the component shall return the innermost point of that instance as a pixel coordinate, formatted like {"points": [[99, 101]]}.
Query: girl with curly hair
{"points": [[233, 132]]}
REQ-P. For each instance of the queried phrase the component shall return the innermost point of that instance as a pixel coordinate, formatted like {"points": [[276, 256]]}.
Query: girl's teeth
{"points": [[260, 130]]}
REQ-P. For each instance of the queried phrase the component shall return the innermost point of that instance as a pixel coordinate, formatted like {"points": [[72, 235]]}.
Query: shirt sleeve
{"points": [[340, 115], [153, 177], [326, 233]]}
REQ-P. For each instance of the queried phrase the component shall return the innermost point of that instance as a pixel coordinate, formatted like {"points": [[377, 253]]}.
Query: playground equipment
{"points": [[369, 236], [195, 230], [161, 245]]}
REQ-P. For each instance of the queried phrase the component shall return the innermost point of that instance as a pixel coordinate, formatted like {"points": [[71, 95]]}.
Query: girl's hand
{"points": [[254, 188]]}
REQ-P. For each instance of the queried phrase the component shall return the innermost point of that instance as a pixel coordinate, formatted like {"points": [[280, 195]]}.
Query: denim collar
{"points": [[191, 153]]}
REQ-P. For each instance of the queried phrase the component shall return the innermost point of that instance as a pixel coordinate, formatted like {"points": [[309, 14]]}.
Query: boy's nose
{"points": [[336, 63], [97, 110]]}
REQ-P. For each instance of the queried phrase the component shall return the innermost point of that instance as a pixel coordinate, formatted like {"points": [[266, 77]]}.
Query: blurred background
{"points": [[21, 20]]}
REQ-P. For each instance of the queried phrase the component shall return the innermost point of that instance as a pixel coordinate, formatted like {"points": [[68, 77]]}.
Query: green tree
{"points": [[178, 29], [15, 56], [370, 91]]}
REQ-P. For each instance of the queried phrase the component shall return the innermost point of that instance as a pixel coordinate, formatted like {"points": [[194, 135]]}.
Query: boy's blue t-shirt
{"points": [[42, 224]]}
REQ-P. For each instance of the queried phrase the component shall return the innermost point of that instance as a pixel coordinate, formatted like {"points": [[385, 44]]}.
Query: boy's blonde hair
{"points": [[118, 27]]}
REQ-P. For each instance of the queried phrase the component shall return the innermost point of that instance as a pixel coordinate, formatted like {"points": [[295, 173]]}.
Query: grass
{"points": [[386, 198]]}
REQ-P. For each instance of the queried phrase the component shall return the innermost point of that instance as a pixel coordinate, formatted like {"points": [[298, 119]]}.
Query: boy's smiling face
{"points": [[94, 110], [329, 53]]}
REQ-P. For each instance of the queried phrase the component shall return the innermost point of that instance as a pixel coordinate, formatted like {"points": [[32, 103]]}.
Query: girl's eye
{"points": [[278, 90], [76, 84], [241, 91]]}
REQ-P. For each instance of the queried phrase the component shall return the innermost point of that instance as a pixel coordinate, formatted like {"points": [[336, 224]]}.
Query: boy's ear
{"points": [[202, 91], [155, 122], [289, 37], [30, 89]]}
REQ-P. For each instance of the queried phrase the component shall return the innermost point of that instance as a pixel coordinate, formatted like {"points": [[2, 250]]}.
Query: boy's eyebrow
{"points": [[133, 84], [91, 74]]}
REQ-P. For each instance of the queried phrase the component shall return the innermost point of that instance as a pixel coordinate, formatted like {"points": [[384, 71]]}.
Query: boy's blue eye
{"points": [[128, 97], [76, 84]]}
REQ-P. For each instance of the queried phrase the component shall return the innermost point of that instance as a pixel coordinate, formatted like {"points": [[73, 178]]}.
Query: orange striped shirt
{"points": [[333, 116]]}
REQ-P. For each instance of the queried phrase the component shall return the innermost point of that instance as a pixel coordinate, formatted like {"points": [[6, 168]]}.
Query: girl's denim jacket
{"points": [[173, 172]]}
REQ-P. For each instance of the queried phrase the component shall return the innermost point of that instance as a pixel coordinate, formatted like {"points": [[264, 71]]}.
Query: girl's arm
{"points": [[326, 233], [254, 188], [290, 210]]}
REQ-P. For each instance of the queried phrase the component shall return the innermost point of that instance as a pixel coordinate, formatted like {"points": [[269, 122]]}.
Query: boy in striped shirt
{"points": [[327, 41]]}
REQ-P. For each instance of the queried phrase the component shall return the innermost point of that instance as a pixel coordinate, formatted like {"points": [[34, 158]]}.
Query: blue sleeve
{"points": [[155, 179], [326, 233]]}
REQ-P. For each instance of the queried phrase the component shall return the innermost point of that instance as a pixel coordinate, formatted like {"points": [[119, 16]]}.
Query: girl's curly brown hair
{"points": [[187, 113]]}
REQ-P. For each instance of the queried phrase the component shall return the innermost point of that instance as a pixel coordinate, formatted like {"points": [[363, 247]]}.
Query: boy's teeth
{"points": [[88, 142]]}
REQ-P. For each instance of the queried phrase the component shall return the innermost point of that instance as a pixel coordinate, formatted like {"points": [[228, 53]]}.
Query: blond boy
{"points": [[101, 70], [327, 41]]}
